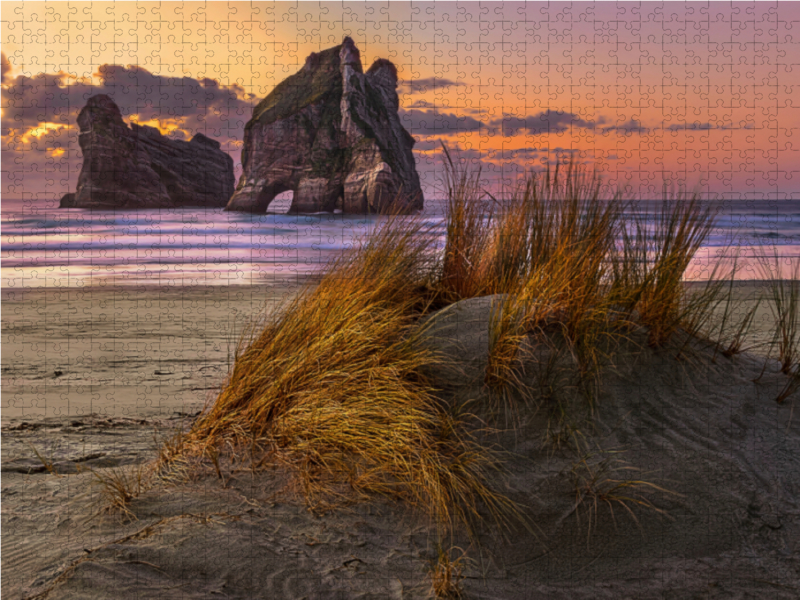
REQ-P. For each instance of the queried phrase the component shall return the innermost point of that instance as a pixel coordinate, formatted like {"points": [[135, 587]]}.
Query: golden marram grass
{"points": [[334, 386]]}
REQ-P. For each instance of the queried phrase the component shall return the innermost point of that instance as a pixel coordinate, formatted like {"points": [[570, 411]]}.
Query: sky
{"points": [[693, 95]]}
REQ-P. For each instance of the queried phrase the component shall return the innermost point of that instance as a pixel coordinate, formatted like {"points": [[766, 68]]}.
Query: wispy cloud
{"points": [[691, 127], [629, 126], [548, 121], [427, 84], [434, 121]]}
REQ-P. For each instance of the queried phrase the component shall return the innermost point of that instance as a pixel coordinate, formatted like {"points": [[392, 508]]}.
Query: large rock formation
{"points": [[330, 134], [137, 167]]}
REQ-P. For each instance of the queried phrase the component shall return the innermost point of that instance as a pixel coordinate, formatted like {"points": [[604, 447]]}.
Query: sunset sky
{"points": [[697, 93]]}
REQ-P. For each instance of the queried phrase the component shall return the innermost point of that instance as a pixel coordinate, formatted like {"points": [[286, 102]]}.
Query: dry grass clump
{"points": [[553, 249], [119, 486], [599, 480], [463, 272], [333, 390], [446, 574], [48, 462], [655, 261], [731, 335], [784, 301]]}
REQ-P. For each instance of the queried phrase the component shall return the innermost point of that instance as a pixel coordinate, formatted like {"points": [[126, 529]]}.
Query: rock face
{"points": [[137, 167], [331, 134]]}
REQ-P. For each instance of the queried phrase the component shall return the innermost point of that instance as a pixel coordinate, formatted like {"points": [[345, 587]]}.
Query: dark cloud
{"points": [[630, 126], [6, 66], [421, 104], [200, 105], [428, 84], [524, 153], [434, 121], [691, 127], [548, 121]]}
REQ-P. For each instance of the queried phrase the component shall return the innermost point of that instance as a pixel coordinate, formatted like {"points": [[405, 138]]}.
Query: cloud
{"points": [[434, 121], [548, 121], [201, 105], [524, 153], [427, 84], [630, 126], [6, 66], [421, 104], [691, 127]]}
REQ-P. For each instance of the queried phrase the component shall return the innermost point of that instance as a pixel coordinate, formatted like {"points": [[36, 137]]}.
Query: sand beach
{"points": [[93, 379], [152, 351]]}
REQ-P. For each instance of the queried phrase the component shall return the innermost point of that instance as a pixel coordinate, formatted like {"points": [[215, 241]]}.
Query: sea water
{"points": [[44, 246]]}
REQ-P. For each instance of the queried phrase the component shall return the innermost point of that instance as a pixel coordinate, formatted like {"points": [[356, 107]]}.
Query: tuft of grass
{"points": [[47, 462], [598, 481], [170, 464], [462, 273], [784, 301], [552, 248], [731, 343], [655, 260], [504, 367], [333, 389], [119, 486], [446, 574]]}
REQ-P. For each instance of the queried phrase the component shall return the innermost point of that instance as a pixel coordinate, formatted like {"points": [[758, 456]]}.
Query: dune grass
{"points": [[783, 297], [119, 486], [553, 249], [729, 333], [333, 389], [599, 480], [332, 385], [48, 462], [681, 226], [446, 574], [463, 272]]}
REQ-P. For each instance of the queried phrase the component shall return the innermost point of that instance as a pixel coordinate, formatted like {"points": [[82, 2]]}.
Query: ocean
{"points": [[43, 246]]}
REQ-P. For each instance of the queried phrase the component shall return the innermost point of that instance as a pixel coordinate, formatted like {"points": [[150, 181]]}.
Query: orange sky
{"points": [[703, 94]]}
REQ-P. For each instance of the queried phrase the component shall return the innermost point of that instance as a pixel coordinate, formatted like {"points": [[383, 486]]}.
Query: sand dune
{"points": [[699, 427]]}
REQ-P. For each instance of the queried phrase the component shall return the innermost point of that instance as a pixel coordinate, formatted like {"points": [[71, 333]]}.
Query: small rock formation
{"points": [[137, 167], [331, 134]]}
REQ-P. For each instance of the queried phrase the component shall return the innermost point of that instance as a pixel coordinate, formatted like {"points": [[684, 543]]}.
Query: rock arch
{"points": [[330, 134]]}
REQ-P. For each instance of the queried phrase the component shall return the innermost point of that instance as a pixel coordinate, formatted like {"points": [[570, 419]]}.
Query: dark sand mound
{"points": [[697, 427]]}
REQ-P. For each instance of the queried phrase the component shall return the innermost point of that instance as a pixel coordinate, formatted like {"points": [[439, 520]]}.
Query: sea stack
{"points": [[137, 167], [331, 134]]}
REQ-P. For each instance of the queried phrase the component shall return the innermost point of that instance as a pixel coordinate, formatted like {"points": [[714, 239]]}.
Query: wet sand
{"points": [[122, 352]]}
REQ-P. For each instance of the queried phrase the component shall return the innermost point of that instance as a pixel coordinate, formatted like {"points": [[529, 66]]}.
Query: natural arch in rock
{"points": [[330, 134]]}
